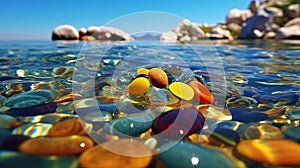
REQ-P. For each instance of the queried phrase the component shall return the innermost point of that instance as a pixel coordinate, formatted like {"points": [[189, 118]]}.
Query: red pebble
{"points": [[201, 93]]}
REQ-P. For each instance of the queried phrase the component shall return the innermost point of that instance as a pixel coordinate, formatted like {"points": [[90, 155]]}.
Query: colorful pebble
{"points": [[143, 71], [138, 86], [277, 152], [158, 78], [124, 153], [33, 129], [178, 123], [182, 90], [68, 127], [201, 93], [69, 145]]}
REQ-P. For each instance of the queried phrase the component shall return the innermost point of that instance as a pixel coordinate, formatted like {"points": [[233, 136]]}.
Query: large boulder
{"points": [[262, 21], [104, 33], [292, 32], [293, 22], [65, 32], [293, 11], [169, 36], [238, 16], [219, 33]]}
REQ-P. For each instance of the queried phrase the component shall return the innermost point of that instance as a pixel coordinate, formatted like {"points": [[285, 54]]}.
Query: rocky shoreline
{"points": [[270, 19]]}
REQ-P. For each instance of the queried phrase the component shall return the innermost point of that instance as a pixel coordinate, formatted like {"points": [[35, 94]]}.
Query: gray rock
{"points": [[237, 16], [293, 11], [219, 33], [103, 33], [293, 22], [196, 32], [169, 36], [262, 21], [65, 32], [292, 32]]}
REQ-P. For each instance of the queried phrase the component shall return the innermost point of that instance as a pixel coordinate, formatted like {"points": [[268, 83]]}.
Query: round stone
{"points": [[182, 90], [138, 86], [201, 93], [291, 131], [31, 98], [122, 153], [143, 71], [158, 78], [185, 154], [68, 127], [262, 131], [33, 129], [69, 145], [277, 152], [178, 123]]}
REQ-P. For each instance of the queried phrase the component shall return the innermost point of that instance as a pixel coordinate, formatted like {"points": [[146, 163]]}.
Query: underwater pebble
{"points": [[262, 131], [158, 78], [247, 115], [182, 90], [292, 132], [4, 133], [124, 153], [183, 154], [13, 159], [34, 110], [201, 93], [31, 98], [132, 125], [226, 136], [68, 127], [143, 71], [277, 152], [178, 123], [68, 145], [8, 121], [293, 113], [138, 86]]}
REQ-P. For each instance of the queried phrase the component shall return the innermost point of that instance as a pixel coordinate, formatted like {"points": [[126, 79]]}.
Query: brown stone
{"points": [[277, 152], [122, 153], [69, 145], [67, 127]]}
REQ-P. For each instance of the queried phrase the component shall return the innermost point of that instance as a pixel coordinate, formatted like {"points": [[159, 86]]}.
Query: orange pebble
{"points": [[67, 127], [158, 78], [67, 98], [201, 93]]}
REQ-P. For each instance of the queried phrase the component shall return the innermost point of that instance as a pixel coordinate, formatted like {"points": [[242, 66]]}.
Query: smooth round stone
{"points": [[13, 142], [292, 132], [132, 125], [31, 98], [201, 93], [185, 154], [69, 145], [293, 113], [276, 152], [158, 78], [12, 159], [178, 123], [174, 71], [68, 127], [229, 137], [34, 110], [262, 131], [4, 133], [142, 71], [7, 121], [216, 113], [138, 86], [51, 118], [182, 90], [33, 129], [247, 115], [124, 153]]}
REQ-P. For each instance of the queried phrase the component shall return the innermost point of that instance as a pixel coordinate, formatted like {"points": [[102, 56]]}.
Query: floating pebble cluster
{"points": [[158, 120]]}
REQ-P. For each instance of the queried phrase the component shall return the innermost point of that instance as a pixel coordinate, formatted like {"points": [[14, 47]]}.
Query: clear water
{"points": [[269, 66]]}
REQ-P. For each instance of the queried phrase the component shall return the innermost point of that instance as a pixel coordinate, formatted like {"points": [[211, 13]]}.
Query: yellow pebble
{"points": [[142, 71], [138, 86], [181, 90]]}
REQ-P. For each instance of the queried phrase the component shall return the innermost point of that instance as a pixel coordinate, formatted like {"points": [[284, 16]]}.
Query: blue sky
{"points": [[35, 19]]}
